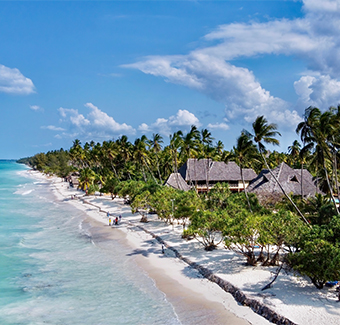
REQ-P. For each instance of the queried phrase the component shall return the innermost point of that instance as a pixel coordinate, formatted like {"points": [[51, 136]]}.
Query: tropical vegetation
{"points": [[303, 233]]}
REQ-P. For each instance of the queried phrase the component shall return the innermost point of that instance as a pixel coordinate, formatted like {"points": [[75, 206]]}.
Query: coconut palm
{"points": [[207, 151], [87, 178], [189, 147], [156, 147], [176, 141], [294, 152], [265, 133], [317, 132], [244, 152]]}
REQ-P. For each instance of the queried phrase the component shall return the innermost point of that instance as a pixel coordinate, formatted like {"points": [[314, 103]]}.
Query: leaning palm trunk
{"points": [[114, 170], [302, 180], [159, 172], [336, 174], [283, 191], [144, 176], [330, 187], [147, 166], [244, 188]]}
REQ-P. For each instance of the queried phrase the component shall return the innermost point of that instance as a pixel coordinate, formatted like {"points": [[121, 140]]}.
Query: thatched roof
{"points": [[176, 181], [219, 171], [264, 185]]}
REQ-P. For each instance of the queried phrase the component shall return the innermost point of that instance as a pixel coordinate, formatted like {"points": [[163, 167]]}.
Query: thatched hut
{"points": [[175, 180], [199, 172], [292, 180]]}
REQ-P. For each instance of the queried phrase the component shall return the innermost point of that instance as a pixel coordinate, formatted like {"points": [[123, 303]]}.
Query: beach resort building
{"points": [[200, 172], [292, 180]]}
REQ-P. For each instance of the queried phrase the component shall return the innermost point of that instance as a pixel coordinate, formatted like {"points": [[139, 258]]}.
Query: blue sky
{"points": [[95, 70]]}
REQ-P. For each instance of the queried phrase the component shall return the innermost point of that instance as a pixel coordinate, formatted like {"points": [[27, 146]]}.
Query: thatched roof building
{"points": [[267, 189], [175, 180], [198, 171]]}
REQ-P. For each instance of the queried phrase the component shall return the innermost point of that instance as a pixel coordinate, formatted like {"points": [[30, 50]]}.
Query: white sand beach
{"points": [[293, 297]]}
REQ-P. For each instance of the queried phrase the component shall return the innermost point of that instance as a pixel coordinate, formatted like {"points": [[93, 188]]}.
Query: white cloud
{"points": [[53, 128], [101, 121], [315, 39], [35, 107], [96, 124], [12, 81], [320, 90], [219, 126], [165, 126], [75, 118], [144, 128], [183, 117]]}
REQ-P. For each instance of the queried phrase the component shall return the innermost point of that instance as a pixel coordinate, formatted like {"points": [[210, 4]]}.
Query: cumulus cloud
{"points": [[97, 123], [74, 116], [12, 81], [318, 90], [182, 120], [314, 38]]}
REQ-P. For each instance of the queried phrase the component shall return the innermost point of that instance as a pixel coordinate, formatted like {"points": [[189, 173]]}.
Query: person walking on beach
{"points": [[120, 218], [116, 221]]}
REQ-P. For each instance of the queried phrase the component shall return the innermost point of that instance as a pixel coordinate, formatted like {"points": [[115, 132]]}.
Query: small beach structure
{"points": [[200, 172], [292, 180], [175, 180]]}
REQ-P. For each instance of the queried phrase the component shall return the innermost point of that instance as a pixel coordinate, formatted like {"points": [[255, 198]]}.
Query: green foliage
{"points": [[186, 204], [86, 179], [206, 227], [319, 260], [242, 234], [217, 197], [92, 189], [319, 209], [111, 186], [283, 231]]}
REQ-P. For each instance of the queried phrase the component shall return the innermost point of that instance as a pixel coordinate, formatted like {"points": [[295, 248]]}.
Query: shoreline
{"points": [[291, 296], [184, 287]]}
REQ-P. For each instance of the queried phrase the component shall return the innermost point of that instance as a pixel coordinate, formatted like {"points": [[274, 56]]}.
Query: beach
{"points": [[293, 297]]}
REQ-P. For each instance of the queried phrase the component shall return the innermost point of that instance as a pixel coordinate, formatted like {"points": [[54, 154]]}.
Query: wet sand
{"points": [[186, 293]]}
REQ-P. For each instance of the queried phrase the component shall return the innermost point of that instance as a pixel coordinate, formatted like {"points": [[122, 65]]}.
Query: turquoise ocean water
{"points": [[53, 272]]}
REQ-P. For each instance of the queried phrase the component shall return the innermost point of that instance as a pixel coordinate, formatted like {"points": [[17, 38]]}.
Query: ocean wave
{"points": [[20, 192]]}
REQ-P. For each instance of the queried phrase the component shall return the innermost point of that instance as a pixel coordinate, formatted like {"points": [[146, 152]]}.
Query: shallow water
{"points": [[53, 271]]}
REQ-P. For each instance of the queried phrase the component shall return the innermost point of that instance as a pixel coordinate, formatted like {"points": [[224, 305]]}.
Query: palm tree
{"points": [[206, 140], [125, 149], [141, 155], [295, 153], [189, 147], [86, 179], [264, 132], [175, 143], [155, 144], [244, 152], [317, 132], [77, 154]]}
